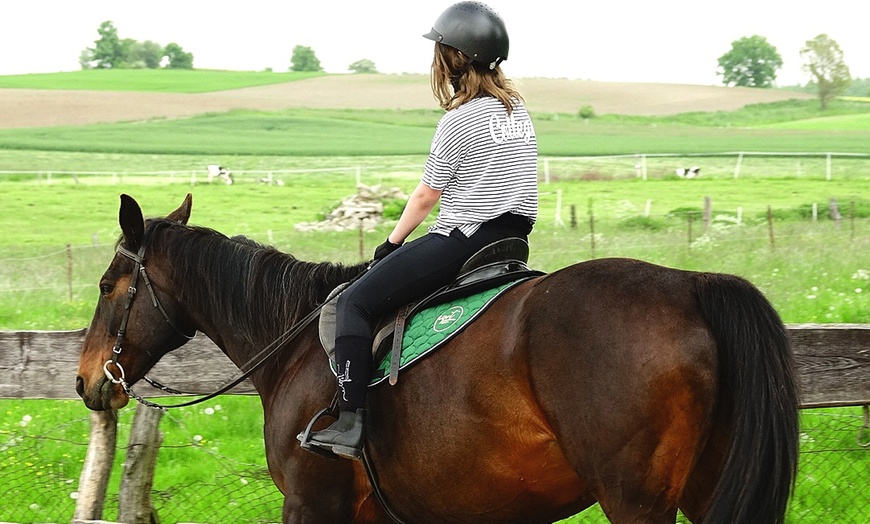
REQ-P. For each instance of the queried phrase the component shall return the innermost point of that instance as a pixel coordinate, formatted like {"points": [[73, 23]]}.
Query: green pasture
{"points": [[788, 126], [309, 132], [211, 466], [813, 270], [60, 186], [151, 80]]}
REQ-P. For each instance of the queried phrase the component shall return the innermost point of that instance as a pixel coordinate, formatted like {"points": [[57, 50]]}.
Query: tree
{"points": [[108, 51], [304, 59], [145, 54], [823, 60], [363, 66], [86, 58], [178, 57], [751, 62]]}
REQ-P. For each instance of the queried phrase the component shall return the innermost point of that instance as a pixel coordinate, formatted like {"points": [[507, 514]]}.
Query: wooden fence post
{"points": [[690, 217], [98, 465], [770, 228], [69, 272], [835, 211], [591, 228], [134, 499], [708, 213], [828, 167], [852, 221]]}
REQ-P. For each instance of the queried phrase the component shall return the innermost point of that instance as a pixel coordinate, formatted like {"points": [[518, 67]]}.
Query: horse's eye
{"points": [[105, 288]]}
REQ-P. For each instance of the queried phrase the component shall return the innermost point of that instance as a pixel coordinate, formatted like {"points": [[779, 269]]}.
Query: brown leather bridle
{"points": [[258, 360], [139, 260]]}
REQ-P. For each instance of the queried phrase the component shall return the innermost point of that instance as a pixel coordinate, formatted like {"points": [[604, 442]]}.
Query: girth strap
{"points": [[398, 336]]}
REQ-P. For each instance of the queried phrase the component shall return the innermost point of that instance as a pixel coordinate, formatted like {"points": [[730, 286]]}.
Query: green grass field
{"points": [[41, 220], [301, 132], [813, 271], [150, 80], [211, 466]]}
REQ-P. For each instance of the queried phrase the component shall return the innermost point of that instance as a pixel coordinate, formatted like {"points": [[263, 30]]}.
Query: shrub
{"points": [[586, 112], [639, 223]]}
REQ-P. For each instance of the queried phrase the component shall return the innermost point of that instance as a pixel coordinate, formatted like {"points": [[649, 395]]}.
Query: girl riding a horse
{"points": [[482, 167]]}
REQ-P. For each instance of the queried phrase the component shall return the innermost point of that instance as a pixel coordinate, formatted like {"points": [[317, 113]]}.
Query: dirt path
{"points": [[37, 108]]}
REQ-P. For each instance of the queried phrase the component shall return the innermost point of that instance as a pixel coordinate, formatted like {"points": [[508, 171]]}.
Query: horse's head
{"points": [[138, 317]]}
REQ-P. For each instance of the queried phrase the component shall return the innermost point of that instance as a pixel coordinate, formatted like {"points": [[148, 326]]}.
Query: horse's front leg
{"points": [[332, 504]]}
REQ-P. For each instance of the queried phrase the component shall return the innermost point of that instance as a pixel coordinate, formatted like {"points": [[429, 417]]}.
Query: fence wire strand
{"points": [[44, 463]]}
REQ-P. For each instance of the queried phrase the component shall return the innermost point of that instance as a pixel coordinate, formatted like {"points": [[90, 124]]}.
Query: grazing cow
{"points": [[690, 172], [216, 171]]}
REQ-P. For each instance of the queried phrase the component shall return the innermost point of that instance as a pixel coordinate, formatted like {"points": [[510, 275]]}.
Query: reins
{"points": [[263, 355], [259, 359]]}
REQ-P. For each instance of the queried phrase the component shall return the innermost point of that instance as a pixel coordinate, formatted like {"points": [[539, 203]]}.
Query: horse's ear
{"points": [[132, 222], [182, 214]]}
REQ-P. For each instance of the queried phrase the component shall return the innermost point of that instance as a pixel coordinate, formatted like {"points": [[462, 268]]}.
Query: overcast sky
{"points": [[670, 41]]}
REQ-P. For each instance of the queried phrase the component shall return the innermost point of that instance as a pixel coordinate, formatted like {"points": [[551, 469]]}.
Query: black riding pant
{"points": [[410, 273]]}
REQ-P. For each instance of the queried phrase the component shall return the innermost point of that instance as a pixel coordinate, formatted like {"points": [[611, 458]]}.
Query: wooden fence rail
{"points": [[833, 363]]}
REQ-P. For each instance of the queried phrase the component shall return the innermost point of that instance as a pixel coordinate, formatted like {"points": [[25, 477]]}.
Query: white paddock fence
{"points": [[738, 164]]}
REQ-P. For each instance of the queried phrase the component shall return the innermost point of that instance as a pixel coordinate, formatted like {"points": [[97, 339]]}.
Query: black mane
{"points": [[255, 288]]}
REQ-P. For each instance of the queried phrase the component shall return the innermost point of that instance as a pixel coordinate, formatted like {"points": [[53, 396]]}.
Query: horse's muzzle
{"points": [[103, 395]]}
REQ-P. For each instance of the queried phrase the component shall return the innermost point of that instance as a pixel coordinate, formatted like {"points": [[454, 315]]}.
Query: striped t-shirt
{"points": [[485, 163]]}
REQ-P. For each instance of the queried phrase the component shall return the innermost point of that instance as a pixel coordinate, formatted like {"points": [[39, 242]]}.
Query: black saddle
{"points": [[495, 264]]}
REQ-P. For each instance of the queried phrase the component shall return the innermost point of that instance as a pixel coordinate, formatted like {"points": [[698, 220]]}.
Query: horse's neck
{"points": [[245, 316]]}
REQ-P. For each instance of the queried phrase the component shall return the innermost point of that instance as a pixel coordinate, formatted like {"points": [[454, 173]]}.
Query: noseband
{"points": [[253, 364], [139, 260]]}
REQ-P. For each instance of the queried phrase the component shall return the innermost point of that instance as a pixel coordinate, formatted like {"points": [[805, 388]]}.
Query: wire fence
{"points": [[649, 226], [43, 459], [644, 166], [41, 463]]}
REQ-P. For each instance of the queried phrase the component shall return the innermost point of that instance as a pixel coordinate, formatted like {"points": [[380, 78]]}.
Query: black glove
{"points": [[384, 249]]}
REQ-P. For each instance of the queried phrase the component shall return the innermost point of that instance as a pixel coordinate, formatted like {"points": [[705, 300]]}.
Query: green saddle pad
{"points": [[429, 329]]}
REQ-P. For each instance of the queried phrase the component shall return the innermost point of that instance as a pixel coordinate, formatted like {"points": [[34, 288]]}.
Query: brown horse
{"points": [[643, 388]]}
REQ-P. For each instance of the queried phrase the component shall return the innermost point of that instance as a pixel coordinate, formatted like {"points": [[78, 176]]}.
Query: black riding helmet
{"points": [[475, 29]]}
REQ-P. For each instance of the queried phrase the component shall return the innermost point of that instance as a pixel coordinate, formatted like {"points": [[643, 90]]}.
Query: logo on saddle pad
{"points": [[429, 329], [449, 319]]}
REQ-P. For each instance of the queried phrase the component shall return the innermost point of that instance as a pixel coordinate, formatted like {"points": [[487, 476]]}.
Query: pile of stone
{"points": [[364, 210]]}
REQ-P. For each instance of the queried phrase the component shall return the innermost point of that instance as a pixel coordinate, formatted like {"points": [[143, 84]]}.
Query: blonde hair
{"points": [[450, 67]]}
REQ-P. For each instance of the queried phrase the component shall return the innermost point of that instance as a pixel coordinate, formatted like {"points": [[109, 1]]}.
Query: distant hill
{"points": [[40, 107]]}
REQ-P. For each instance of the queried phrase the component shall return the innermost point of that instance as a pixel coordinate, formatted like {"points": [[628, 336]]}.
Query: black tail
{"points": [[757, 384]]}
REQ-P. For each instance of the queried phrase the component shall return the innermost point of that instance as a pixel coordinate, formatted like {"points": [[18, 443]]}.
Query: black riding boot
{"points": [[346, 436]]}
